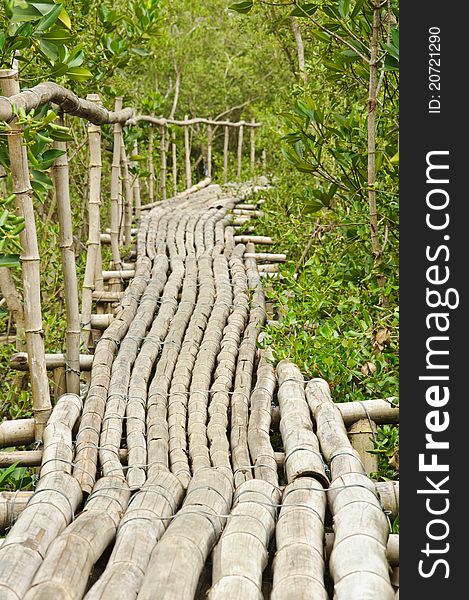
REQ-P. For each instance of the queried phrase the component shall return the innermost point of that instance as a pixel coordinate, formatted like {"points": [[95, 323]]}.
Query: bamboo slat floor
{"points": [[179, 388]]}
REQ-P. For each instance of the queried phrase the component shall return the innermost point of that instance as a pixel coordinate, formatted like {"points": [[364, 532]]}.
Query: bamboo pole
{"points": [[361, 435], [30, 264], [299, 564], [115, 170], [61, 177], [226, 141], [136, 187], [127, 205], [187, 154], [12, 505], [253, 150], [264, 160], [240, 151], [151, 167], [163, 166], [18, 432], [358, 562], [19, 361], [209, 150], [94, 203], [174, 162]]}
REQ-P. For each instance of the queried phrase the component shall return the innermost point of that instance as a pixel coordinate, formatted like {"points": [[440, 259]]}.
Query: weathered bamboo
{"points": [[51, 508], [194, 121], [136, 187], [226, 141], [19, 432], [151, 166], [268, 268], [392, 548], [264, 160], [255, 239], [380, 411], [19, 361], [124, 274], [15, 307], [128, 202], [260, 447], [106, 296], [141, 527], [114, 196], [388, 493], [163, 167], [240, 151], [174, 162], [93, 411], [209, 150], [358, 562], [302, 455], [60, 174], [361, 435], [253, 149], [175, 567], [12, 505], [187, 155], [266, 256], [248, 213], [226, 363], [94, 227], [30, 263], [66, 567], [241, 554], [243, 380], [299, 564]]}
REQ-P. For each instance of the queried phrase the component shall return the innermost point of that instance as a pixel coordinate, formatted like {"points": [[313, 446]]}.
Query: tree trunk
{"points": [[300, 50]]}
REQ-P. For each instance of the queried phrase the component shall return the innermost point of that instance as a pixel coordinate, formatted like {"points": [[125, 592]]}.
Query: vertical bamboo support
{"points": [[120, 204], [187, 154], [174, 161], [361, 435], [136, 187], [127, 206], [264, 160], [94, 203], [30, 264], [240, 151], [60, 175], [116, 157], [226, 142], [151, 167], [209, 150], [163, 162], [253, 148]]}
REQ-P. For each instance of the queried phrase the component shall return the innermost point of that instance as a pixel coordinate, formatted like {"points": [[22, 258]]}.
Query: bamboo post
{"points": [[361, 436], [151, 167], [60, 174], [226, 141], [240, 151], [136, 187], [94, 203], [253, 148], [163, 162], [187, 154], [128, 198], [174, 161], [30, 264], [115, 169], [209, 150], [264, 160]]}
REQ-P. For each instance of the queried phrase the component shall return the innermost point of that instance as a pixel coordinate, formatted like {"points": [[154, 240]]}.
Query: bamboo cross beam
{"points": [[195, 121], [29, 261], [19, 361], [60, 175]]}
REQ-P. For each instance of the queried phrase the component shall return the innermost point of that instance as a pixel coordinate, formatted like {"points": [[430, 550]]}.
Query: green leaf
{"points": [[49, 19], [78, 74], [49, 49], [242, 7], [77, 58], [58, 35], [344, 8], [9, 260], [137, 157], [304, 10], [321, 35], [27, 13], [65, 19], [140, 52]]}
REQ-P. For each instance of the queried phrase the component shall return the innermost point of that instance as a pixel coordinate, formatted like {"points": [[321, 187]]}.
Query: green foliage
{"points": [[16, 478], [386, 445]]}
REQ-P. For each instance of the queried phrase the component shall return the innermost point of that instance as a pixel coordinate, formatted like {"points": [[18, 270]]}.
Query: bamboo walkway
{"points": [[163, 482]]}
